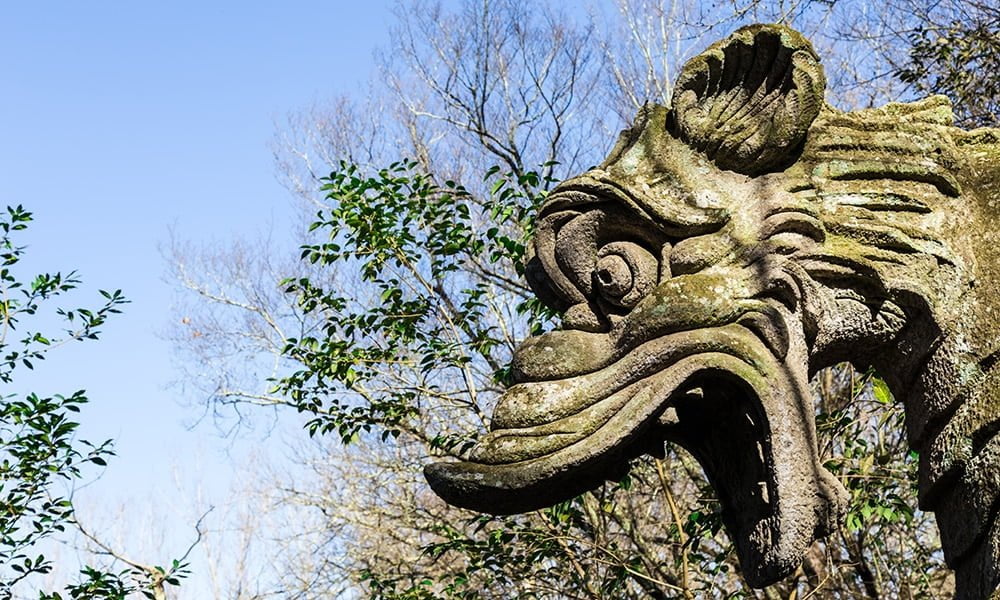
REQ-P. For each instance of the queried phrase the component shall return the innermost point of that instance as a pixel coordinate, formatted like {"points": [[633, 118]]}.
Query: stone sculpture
{"points": [[732, 245]]}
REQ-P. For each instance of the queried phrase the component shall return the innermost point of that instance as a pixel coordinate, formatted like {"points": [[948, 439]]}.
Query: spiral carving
{"points": [[625, 273], [594, 263]]}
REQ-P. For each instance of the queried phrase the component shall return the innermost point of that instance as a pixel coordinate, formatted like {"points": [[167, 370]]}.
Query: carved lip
{"points": [[517, 469], [776, 497]]}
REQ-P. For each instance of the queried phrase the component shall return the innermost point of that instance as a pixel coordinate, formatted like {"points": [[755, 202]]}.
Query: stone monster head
{"points": [[728, 248]]}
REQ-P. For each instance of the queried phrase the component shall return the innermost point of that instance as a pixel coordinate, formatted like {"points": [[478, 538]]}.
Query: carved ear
{"points": [[748, 100]]}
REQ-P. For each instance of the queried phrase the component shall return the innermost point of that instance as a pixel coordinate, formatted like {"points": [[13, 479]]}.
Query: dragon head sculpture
{"points": [[731, 246]]}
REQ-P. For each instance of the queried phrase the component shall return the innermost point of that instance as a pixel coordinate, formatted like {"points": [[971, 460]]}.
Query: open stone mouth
{"points": [[719, 392], [721, 422], [714, 416]]}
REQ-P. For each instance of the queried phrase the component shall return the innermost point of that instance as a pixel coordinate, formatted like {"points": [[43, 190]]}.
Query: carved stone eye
{"points": [[614, 277], [583, 266], [624, 273]]}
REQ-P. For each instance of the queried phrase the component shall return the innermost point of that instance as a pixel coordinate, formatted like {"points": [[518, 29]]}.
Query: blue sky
{"points": [[120, 120]]}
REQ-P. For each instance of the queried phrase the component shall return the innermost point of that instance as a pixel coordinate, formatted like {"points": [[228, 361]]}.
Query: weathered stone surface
{"points": [[747, 101], [727, 248]]}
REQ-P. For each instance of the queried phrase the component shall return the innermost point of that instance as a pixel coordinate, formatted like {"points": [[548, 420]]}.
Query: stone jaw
{"points": [[700, 262]]}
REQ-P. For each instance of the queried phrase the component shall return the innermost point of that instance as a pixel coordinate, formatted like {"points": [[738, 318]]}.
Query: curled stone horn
{"points": [[728, 247], [747, 101]]}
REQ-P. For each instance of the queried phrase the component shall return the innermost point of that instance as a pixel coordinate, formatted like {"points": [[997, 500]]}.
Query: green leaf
{"points": [[881, 391]]}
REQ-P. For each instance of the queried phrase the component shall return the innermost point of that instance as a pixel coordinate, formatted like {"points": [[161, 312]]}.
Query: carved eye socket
{"points": [[624, 273], [583, 266]]}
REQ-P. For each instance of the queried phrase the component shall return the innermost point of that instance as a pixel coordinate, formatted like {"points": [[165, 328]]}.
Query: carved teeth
{"points": [[669, 417]]}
